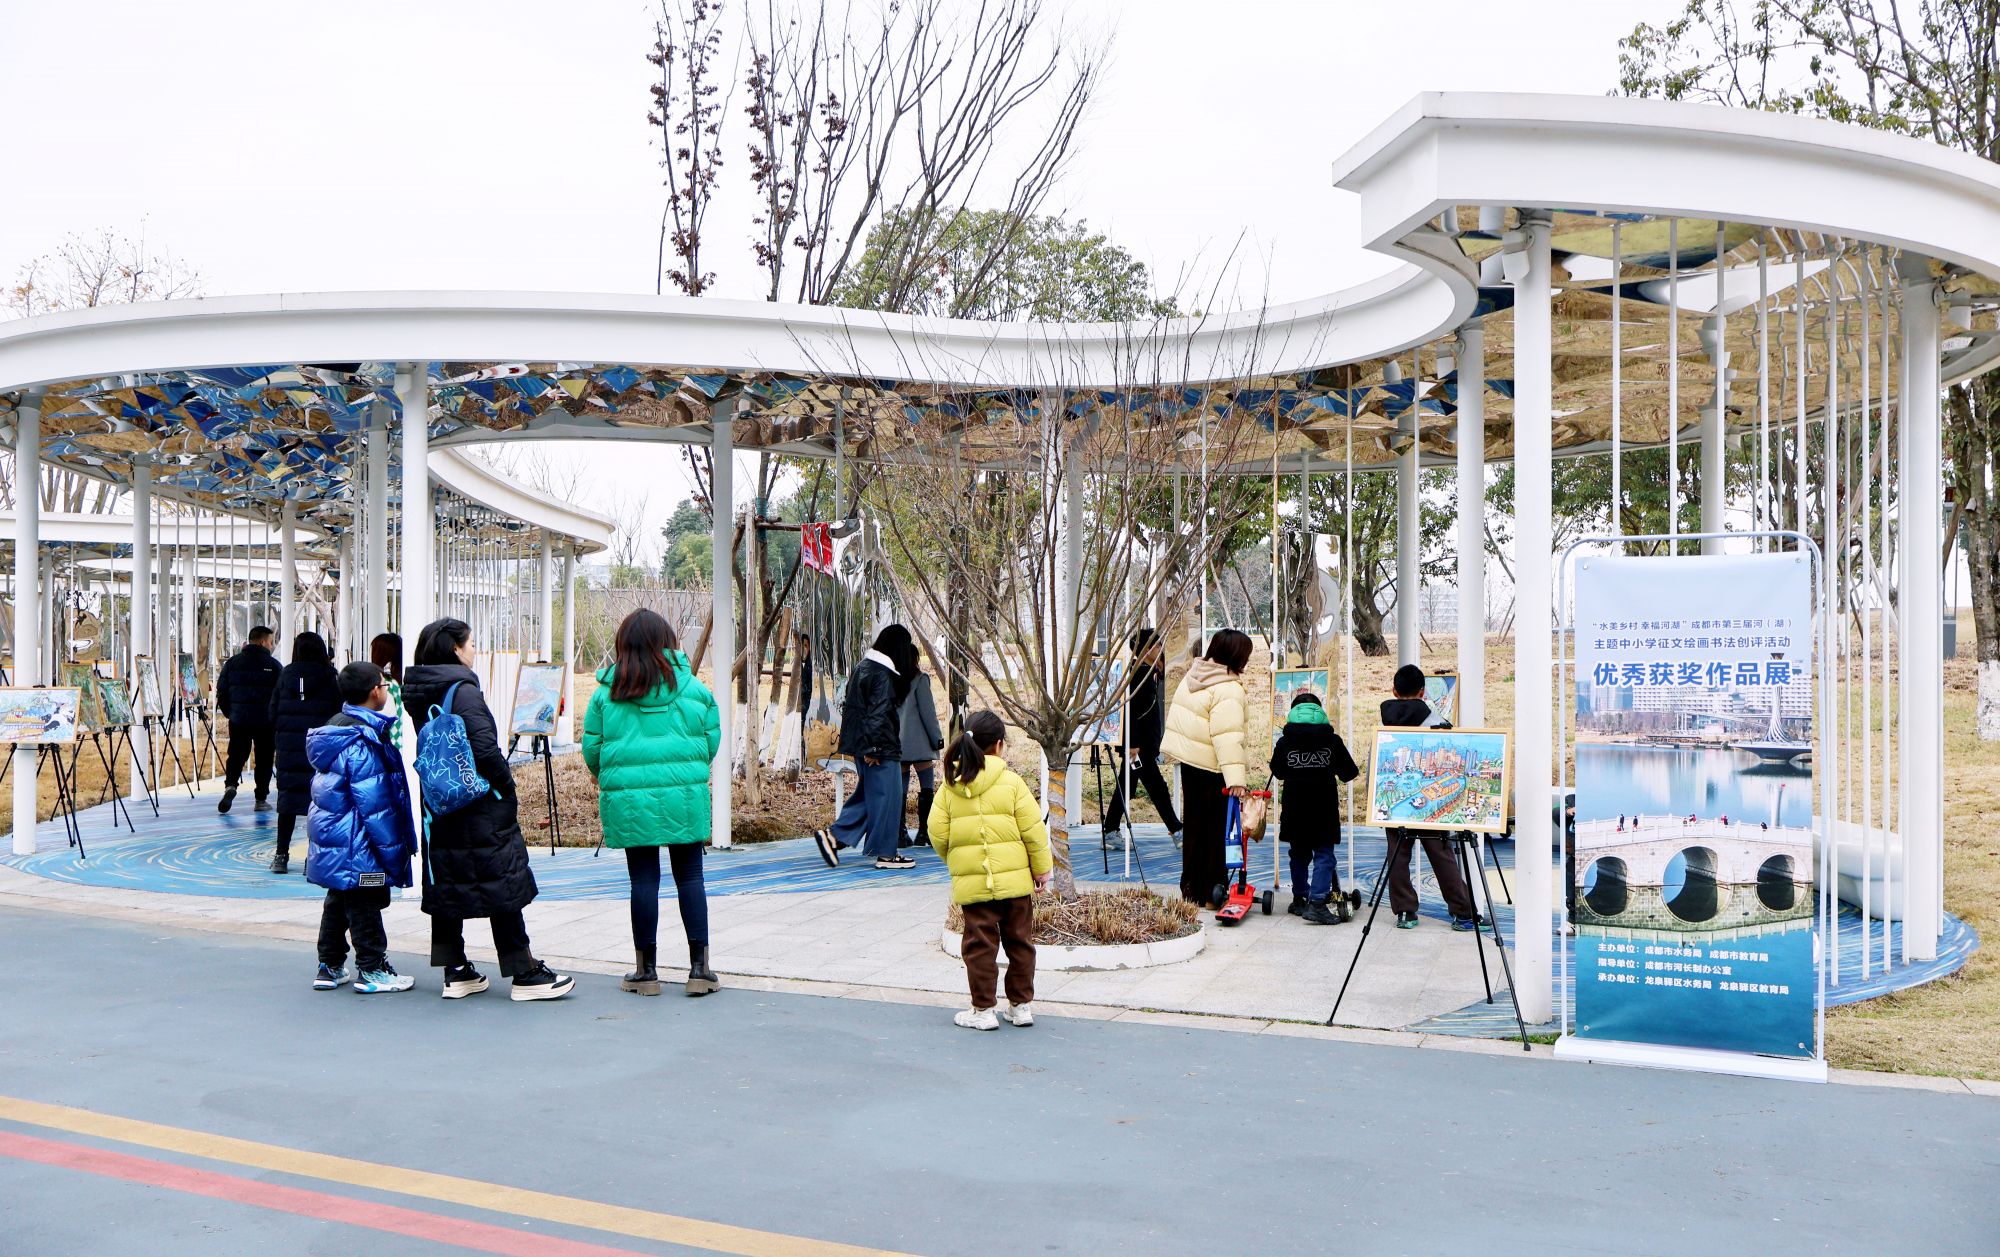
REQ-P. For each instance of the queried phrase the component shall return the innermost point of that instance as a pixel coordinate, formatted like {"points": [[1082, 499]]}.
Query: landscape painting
{"points": [[537, 699], [116, 702], [1439, 779], [146, 675], [38, 715], [1286, 682], [1441, 694], [187, 683], [90, 711]]}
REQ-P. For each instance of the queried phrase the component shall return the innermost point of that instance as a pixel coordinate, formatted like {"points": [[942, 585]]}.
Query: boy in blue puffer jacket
{"points": [[360, 832]]}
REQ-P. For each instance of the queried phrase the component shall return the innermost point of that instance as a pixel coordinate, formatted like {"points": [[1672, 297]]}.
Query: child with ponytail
{"points": [[987, 827]]}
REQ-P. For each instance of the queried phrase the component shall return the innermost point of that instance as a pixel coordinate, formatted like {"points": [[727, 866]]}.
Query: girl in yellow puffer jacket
{"points": [[988, 828]]}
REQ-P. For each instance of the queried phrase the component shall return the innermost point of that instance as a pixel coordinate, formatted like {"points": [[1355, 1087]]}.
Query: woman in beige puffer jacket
{"points": [[1207, 725]]}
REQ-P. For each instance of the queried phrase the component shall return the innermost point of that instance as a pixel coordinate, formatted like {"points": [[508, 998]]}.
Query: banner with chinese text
{"points": [[1692, 885]]}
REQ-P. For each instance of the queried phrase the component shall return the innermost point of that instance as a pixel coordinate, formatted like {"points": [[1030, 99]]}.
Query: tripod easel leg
{"points": [[1466, 870], [1500, 944], [1398, 849]]}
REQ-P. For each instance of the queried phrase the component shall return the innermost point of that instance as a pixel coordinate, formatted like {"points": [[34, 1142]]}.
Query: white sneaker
{"points": [[977, 1019], [383, 981], [1022, 1015]]}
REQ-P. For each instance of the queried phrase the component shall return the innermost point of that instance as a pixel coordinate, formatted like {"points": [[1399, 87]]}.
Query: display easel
{"points": [[51, 753], [1125, 827], [195, 713], [540, 746], [123, 733], [1399, 850], [97, 738]]}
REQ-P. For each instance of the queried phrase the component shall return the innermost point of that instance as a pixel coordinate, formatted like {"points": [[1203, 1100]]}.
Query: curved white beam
{"points": [[470, 478]]}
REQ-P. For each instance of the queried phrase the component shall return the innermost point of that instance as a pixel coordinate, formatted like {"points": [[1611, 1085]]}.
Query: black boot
{"points": [[701, 978], [644, 980], [924, 800], [1316, 914], [1298, 908], [281, 861]]}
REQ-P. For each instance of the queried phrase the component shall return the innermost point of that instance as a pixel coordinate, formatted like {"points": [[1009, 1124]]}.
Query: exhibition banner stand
{"points": [[1694, 913]]}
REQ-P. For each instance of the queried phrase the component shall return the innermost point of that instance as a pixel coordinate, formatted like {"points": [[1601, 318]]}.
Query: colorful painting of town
{"points": [[1439, 779]]}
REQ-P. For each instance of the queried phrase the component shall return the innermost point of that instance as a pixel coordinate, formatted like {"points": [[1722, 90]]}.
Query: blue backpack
{"points": [[445, 767]]}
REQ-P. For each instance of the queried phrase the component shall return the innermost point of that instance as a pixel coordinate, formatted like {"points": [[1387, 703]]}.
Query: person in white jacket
{"points": [[1207, 725]]}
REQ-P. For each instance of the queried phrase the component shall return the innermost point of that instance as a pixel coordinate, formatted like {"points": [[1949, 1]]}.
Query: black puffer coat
{"points": [[307, 696], [1312, 761], [1146, 709], [243, 687], [475, 860], [871, 721]]}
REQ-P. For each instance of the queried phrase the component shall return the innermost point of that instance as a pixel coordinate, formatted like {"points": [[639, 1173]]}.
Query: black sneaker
{"points": [[1406, 920], [898, 861], [263, 803], [1298, 908], [463, 980], [829, 850], [330, 979], [227, 800], [1316, 914], [281, 862], [542, 982]]}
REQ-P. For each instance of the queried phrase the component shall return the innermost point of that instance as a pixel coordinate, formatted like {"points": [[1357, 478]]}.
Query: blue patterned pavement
{"points": [[191, 850]]}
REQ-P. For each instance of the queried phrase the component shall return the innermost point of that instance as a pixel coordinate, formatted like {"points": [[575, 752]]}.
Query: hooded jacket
{"points": [[307, 696], [870, 714], [243, 687], [475, 859], [358, 830], [650, 757], [1208, 721], [922, 739], [1312, 761], [990, 834]]}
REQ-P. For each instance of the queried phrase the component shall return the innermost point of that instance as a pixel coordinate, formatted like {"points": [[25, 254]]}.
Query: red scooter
{"points": [[1238, 896]]}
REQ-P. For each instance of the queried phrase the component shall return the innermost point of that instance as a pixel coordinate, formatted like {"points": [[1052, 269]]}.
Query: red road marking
{"points": [[438, 1228]]}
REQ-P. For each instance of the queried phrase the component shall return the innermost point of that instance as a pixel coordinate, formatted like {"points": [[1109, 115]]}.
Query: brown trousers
{"points": [[1008, 923]]}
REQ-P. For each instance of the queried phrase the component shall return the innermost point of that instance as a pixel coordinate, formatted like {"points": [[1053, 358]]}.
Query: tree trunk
{"points": [[1975, 411], [1368, 626], [1058, 801]]}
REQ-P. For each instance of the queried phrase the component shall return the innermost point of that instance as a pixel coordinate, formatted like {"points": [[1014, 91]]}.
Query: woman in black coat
{"points": [[475, 858], [1145, 722], [305, 697]]}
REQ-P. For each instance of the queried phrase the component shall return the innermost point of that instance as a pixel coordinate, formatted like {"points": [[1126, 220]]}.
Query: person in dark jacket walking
{"points": [[1312, 761], [1145, 722], [871, 730], [307, 696], [1409, 710], [475, 859], [649, 735], [359, 835], [922, 740], [243, 696]]}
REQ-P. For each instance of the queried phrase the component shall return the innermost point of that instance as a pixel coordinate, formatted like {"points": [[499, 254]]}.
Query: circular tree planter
{"points": [[1069, 958]]}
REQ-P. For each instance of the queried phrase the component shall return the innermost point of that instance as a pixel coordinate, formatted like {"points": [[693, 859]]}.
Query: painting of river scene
{"points": [[1439, 779]]}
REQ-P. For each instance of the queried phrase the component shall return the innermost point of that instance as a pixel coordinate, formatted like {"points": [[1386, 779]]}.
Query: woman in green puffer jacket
{"points": [[649, 736]]}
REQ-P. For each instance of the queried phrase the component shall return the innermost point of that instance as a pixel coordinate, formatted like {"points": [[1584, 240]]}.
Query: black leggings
{"points": [[287, 821], [643, 865]]}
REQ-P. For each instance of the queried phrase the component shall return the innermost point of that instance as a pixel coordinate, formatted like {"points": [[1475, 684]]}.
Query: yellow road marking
{"points": [[521, 1202]]}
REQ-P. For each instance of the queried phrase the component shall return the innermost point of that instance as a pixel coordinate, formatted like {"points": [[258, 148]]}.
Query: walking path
{"points": [[782, 914]]}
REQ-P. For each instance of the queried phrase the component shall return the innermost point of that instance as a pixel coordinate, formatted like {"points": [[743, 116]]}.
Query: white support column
{"points": [[288, 573], [1409, 549], [27, 599], [1472, 526], [566, 723], [188, 636], [413, 391], [142, 604], [1713, 442], [545, 577], [1069, 610], [374, 508], [1922, 637], [722, 624], [1534, 631], [350, 646]]}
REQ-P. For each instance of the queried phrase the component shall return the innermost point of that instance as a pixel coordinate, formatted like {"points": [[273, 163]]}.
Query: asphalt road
{"points": [[803, 1122]]}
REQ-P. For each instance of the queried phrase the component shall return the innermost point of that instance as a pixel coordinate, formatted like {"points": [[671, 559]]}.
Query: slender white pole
{"points": [[27, 600], [1472, 526], [1069, 614], [1674, 382], [288, 571], [722, 629], [374, 559], [1534, 634], [1713, 518], [1409, 541], [545, 576], [1922, 638], [1765, 519], [566, 726], [1617, 381], [413, 391], [142, 606]]}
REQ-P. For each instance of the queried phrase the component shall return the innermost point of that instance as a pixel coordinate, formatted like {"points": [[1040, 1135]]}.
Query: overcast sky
{"points": [[502, 144]]}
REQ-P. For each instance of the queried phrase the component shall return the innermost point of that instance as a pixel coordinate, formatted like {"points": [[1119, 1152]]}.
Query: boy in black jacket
{"points": [[1408, 710], [1312, 761]]}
